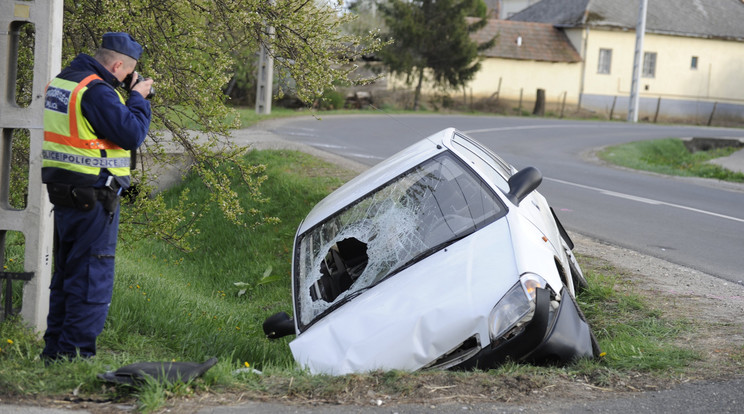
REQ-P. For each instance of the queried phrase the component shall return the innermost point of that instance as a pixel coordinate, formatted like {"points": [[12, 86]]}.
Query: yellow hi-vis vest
{"points": [[71, 147]]}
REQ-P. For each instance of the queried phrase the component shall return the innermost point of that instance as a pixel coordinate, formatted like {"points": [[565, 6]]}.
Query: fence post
{"points": [[713, 112], [498, 91], [612, 110], [521, 92], [540, 103], [563, 105], [658, 105]]}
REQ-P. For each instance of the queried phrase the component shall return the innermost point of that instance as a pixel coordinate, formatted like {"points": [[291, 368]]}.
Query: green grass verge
{"points": [[169, 305], [669, 156], [249, 117], [633, 334]]}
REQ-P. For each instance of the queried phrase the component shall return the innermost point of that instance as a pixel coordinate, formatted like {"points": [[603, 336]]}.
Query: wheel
{"points": [[577, 276]]}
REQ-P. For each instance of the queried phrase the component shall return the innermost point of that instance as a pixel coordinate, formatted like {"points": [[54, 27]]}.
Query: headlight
{"points": [[515, 307]]}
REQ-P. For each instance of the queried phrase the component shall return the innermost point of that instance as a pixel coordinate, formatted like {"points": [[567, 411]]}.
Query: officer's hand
{"points": [[143, 87]]}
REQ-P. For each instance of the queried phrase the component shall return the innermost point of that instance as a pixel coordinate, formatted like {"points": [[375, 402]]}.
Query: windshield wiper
{"points": [[429, 252], [341, 302]]}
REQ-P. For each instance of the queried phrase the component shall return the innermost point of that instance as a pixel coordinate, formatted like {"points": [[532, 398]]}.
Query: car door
{"points": [[534, 207]]}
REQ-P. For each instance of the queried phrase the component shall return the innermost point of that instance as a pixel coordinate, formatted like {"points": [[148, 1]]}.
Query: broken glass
{"points": [[399, 224]]}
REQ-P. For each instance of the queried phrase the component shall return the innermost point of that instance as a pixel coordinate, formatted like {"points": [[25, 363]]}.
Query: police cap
{"points": [[123, 43]]}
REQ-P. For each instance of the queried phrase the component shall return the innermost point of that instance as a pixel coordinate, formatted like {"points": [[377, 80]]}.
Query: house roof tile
{"points": [[693, 18], [539, 41]]}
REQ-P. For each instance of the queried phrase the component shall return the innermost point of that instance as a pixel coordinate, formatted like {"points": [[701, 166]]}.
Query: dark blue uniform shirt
{"points": [[126, 126]]}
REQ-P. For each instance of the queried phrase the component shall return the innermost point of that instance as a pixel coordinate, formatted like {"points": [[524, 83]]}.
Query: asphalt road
{"points": [[691, 222]]}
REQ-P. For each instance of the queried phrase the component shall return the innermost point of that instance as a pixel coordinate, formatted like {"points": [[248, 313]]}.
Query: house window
{"points": [[649, 65], [694, 62], [605, 61]]}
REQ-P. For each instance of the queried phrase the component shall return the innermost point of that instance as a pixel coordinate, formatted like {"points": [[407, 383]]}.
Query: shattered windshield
{"points": [[402, 222]]}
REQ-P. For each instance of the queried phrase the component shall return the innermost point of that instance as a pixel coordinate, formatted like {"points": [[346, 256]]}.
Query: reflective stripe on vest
{"points": [[69, 140]]}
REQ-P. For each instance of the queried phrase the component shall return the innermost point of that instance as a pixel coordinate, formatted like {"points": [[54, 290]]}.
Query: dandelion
{"points": [[10, 342], [10, 260], [237, 327], [247, 365], [603, 354], [5, 267]]}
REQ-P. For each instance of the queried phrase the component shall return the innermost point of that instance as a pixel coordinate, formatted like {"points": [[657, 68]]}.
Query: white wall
{"points": [[719, 75]]}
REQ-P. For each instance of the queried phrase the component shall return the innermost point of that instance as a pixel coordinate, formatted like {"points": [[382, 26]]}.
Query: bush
{"points": [[331, 99]]}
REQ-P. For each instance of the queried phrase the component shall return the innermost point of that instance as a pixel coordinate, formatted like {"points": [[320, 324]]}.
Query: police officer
{"points": [[89, 133]]}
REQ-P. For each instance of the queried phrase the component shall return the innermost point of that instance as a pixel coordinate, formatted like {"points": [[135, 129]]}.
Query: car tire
{"points": [[579, 282]]}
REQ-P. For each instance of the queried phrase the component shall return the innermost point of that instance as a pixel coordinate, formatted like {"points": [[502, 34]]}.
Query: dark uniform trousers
{"points": [[83, 280]]}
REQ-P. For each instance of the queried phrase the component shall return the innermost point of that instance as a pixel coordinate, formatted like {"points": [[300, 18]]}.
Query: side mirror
{"points": [[278, 325], [523, 183]]}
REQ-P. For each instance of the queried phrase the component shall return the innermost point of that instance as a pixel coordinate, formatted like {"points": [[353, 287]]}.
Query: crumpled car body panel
{"points": [[405, 324], [432, 260]]}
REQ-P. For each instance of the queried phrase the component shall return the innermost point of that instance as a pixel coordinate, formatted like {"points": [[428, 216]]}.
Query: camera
{"points": [[127, 84]]}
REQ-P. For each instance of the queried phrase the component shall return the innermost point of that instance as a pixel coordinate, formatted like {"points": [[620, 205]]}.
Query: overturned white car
{"points": [[442, 256]]}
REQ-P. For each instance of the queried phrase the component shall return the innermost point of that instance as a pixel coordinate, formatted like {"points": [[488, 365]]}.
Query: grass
{"points": [[249, 117], [633, 335], [670, 157], [13, 258], [172, 306]]}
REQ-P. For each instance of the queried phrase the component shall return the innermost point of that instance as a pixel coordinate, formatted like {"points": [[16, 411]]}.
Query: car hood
{"points": [[418, 314]]}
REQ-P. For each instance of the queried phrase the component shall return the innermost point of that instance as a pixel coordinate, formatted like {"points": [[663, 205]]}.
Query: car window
{"points": [[496, 169], [402, 222]]}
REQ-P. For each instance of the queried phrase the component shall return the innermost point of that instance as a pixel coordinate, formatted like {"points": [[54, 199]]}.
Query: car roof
{"points": [[376, 176]]}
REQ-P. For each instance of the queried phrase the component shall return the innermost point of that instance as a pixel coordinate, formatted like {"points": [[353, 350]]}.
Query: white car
{"points": [[442, 256]]}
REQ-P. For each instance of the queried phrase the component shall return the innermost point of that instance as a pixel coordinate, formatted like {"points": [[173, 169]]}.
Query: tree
{"points": [[434, 35], [369, 19], [191, 48]]}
